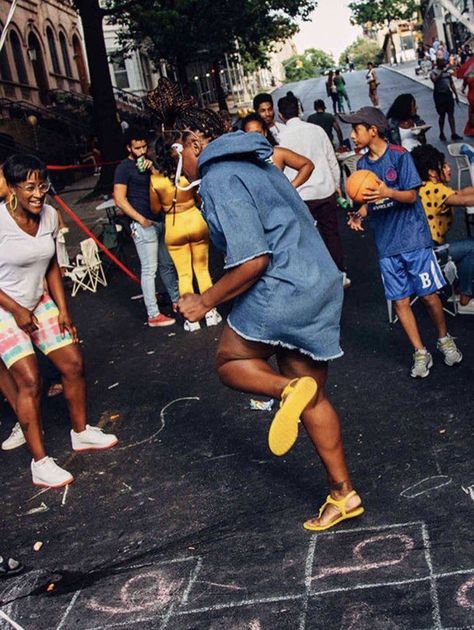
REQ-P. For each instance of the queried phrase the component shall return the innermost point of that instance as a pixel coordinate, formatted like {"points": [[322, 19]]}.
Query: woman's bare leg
{"points": [[70, 364], [322, 423], [242, 365], [27, 378]]}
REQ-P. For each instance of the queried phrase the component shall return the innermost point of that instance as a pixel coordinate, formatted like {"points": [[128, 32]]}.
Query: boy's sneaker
{"points": [[15, 439], [422, 363], [448, 348], [191, 326], [48, 474], [346, 281], [456, 136], [213, 318], [92, 439], [160, 320]]}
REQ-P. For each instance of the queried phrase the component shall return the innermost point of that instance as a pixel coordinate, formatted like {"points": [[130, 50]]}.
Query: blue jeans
{"points": [[462, 252], [151, 249]]}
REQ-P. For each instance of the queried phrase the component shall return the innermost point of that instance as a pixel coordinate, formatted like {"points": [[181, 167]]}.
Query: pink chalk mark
{"points": [[462, 596], [255, 625], [363, 565], [156, 594]]}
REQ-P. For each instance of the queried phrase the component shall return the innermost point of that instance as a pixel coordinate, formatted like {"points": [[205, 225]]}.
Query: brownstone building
{"points": [[44, 81]]}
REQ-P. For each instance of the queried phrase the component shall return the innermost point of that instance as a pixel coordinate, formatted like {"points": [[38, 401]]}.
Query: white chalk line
{"points": [[162, 424], [433, 586], [10, 621], [409, 495], [372, 528], [308, 569], [68, 609]]}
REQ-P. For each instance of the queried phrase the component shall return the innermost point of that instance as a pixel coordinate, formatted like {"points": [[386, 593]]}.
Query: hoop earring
{"points": [[13, 201]]}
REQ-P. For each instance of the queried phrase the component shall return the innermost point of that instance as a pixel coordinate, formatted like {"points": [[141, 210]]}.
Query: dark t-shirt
{"points": [[324, 120], [138, 187]]}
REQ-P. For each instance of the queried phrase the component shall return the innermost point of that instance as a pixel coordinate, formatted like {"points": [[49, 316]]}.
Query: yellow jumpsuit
{"points": [[186, 233]]}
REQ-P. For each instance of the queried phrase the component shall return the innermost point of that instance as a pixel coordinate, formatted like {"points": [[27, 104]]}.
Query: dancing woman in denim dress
{"points": [[286, 290]]}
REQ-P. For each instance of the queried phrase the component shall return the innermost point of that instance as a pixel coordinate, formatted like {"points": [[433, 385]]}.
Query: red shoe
{"points": [[161, 320]]}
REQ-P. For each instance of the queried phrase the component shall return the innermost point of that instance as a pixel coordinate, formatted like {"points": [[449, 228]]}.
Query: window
{"points": [[52, 50], [65, 53], [5, 72], [18, 57], [120, 73]]}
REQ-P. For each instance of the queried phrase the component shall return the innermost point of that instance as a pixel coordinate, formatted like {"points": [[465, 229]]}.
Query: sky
{"points": [[329, 28]]}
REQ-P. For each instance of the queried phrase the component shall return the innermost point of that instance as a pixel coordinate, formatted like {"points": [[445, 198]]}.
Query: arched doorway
{"points": [[80, 64], [37, 60]]}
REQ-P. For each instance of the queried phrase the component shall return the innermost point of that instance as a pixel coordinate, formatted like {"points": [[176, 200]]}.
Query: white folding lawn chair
{"points": [[90, 253], [87, 271]]}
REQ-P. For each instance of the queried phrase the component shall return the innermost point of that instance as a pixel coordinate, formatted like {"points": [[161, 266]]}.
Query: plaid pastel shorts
{"points": [[16, 344]]}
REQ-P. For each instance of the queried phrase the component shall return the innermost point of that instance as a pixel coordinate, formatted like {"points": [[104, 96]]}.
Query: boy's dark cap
{"points": [[366, 116]]}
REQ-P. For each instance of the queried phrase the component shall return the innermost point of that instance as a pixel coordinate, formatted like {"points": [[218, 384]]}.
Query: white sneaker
{"points": [[15, 439], [346, 281], [48, 474], [92, 439], [191, 326], [213, 318], [448, 348], [422, 363]]}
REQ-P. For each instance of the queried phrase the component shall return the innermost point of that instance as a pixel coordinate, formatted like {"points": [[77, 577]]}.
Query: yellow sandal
{"points": [[284, 427], [341, 506]]}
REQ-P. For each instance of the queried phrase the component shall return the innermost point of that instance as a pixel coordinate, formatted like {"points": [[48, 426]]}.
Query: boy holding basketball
{"points": [[401, 233]]}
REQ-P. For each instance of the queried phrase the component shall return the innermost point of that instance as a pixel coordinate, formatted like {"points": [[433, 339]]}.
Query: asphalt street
{"points": [[191, 523]]}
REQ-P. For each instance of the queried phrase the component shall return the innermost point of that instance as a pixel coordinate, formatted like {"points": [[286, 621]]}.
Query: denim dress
{"points": [[252, 209]]}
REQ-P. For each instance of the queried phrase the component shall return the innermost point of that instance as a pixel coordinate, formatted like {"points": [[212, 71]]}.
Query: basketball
{"points": [[358, 182]]}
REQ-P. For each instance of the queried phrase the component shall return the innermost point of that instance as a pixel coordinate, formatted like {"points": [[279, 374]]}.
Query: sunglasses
{"points": [[30, 188]]}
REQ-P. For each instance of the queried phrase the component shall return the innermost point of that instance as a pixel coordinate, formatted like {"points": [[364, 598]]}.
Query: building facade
{"points": [[43, 52]]}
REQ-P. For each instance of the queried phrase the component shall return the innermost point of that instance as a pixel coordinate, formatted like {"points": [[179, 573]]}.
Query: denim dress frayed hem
{"points": [[282, 344]]}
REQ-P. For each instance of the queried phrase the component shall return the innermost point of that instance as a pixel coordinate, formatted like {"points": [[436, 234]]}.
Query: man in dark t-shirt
{"points": [[132, 195], [325, 120]]}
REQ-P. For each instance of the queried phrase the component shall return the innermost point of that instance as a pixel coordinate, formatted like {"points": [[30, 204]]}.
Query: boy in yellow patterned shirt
{"points": [[438, 198]]}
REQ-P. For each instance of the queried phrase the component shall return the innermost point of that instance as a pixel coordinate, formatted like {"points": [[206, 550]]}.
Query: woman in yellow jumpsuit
{"points": [[187, 236]]}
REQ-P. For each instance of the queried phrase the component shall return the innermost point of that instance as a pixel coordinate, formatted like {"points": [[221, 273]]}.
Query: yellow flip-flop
{"points": [[284, 427], [341, 506]]}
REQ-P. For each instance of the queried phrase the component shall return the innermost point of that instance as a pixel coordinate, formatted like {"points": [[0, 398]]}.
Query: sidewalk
{"points": [[408, 70]]}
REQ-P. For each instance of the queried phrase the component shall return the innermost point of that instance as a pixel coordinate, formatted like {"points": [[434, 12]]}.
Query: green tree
{"points": [[379, 13], [183, 31], [308, 65], [361, 52]]}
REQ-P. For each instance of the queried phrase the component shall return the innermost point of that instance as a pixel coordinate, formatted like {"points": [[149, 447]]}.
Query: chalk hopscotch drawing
{"points": [[13, 590], [378, 557], [406, 545], [428, 484]]}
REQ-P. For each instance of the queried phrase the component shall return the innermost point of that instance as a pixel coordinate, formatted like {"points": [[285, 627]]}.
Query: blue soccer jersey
{"points": [[397, 227]]}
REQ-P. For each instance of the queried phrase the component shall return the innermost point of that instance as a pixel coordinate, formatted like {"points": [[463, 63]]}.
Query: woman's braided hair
{"points": [[180, 113]]}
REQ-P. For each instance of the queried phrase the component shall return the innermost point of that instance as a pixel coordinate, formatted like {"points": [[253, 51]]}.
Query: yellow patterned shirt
{"points": [[440, 216]]}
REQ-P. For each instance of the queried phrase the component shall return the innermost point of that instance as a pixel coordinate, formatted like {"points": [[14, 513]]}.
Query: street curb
{"points": [[462, 98]]}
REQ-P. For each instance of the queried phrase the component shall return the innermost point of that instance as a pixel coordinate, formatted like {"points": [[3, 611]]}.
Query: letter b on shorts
{"points": [[425, 280]]}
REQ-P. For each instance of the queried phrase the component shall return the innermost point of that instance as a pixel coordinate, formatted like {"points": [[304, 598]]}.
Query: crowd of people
{"points": [[267, 197]]}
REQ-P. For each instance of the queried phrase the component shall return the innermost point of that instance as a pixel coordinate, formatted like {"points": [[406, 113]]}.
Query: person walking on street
{"points": [[331, 91], [320, 191], [327, 121], [372, 82], [444, 95], [132, 195], [340, 84]]}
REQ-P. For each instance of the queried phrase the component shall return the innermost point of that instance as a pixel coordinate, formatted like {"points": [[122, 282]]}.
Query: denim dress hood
{"points": [[253, 210]]}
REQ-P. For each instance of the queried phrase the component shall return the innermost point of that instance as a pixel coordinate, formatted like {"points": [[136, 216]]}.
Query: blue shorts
{"points": [[412, 273]]}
